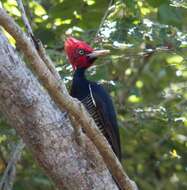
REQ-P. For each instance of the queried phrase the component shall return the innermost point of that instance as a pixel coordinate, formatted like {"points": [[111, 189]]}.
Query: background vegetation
{"points": [[146, 75]]}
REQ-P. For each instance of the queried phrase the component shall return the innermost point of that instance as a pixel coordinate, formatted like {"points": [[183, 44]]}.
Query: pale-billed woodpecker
{"points": [[94, 97]]}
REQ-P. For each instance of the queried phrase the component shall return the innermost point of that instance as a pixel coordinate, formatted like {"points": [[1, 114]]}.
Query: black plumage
{"points": [[99, 104]]}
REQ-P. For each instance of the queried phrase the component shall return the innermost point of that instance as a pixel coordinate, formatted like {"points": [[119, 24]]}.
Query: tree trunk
{"points": [[46, 130]]}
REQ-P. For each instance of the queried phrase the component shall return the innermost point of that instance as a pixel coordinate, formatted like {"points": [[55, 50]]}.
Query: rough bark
{"points": [[46, 130]]}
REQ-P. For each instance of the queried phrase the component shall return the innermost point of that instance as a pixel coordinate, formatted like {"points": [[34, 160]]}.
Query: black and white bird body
{"points": [[94, 97]]}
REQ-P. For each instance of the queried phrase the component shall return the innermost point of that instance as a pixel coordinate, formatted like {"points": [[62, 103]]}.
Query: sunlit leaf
{"points": [[2, 138], [174, 154], [134, 99], [175, 59], [38, 9], [139, 84], [89, 2]]}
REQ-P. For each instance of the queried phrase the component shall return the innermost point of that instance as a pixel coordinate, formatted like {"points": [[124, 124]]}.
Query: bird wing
{"points": [[106, 112]]}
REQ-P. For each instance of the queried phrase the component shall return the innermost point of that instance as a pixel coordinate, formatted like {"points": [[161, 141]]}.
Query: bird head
{"points": [[80, 54]]}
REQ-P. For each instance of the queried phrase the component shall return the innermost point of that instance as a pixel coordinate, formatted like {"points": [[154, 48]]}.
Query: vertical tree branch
{"points": [[8, 177], [38, 44], [24, 17], [42, 53]]}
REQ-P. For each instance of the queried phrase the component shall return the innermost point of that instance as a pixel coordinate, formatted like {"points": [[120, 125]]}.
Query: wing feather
{"points": [[106, 112]]}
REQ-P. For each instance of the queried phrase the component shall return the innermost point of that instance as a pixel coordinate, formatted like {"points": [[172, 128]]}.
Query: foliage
{"points": [[145, 74]]}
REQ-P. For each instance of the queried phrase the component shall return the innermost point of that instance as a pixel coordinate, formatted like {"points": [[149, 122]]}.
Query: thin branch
{"points": [[9, 173], [59, 93], [48, 62], [46, 59], [37, 43], [24, 18], [77, 130]]}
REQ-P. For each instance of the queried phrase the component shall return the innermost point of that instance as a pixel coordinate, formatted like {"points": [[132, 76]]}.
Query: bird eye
{"points": [[81, 52]]}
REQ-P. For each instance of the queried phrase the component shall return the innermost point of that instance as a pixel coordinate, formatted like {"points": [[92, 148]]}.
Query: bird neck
{"points": [[79, 73]]}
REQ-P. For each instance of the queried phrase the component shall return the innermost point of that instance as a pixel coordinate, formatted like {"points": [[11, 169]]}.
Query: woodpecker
{"points": [[93, 96]]}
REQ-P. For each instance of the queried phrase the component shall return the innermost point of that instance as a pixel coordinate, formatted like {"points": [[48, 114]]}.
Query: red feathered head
{"points": [[80, 54]]}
